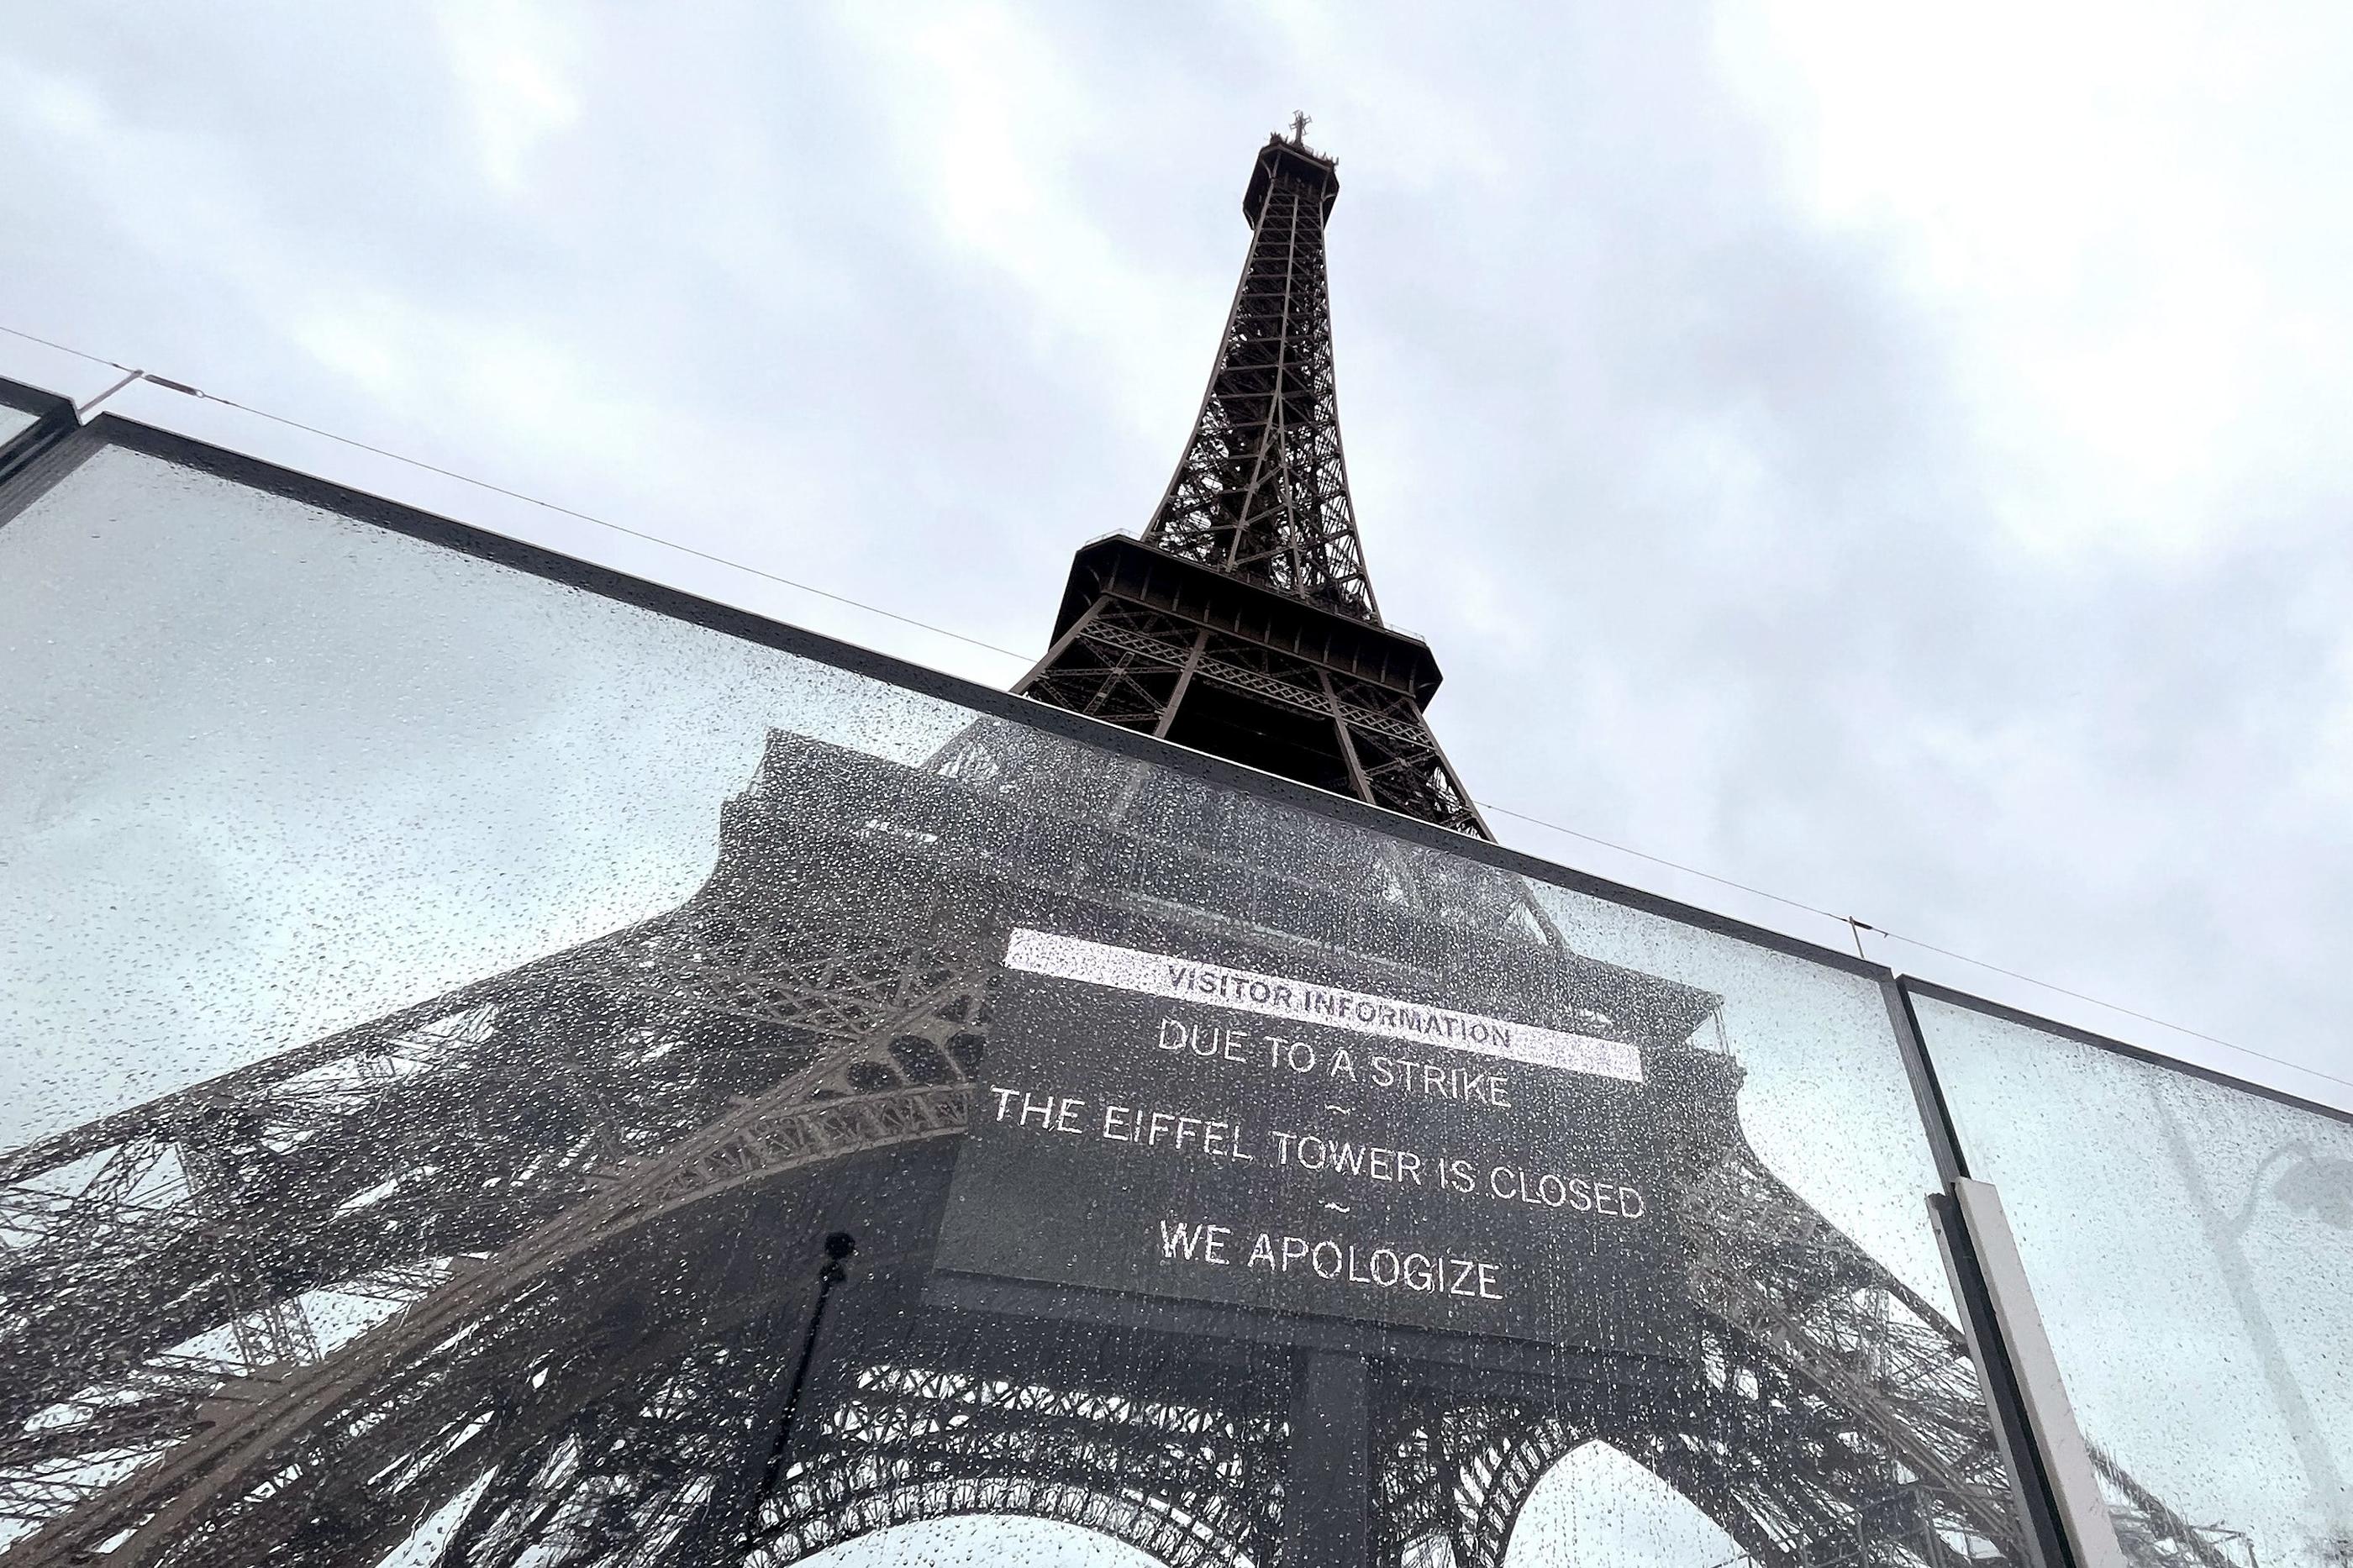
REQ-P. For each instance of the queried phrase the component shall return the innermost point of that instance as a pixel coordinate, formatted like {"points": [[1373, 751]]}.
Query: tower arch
{"points": [[955, 1539]]}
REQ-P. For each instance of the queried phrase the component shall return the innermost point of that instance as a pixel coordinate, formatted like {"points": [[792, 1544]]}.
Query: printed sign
{"points": [[1161, 1125]]}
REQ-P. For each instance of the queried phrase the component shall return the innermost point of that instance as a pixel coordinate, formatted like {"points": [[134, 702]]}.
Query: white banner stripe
{"points": [[1332, 1008]]}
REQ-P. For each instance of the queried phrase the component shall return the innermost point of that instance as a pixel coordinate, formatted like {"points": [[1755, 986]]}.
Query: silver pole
{"points": [[2067, 1462]]}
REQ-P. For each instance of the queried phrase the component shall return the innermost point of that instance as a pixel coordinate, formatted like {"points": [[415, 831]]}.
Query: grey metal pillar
{"points": [[2007, 1341]]}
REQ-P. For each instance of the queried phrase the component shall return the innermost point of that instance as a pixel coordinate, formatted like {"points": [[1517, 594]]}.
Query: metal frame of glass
{"points": [[53, 419]]}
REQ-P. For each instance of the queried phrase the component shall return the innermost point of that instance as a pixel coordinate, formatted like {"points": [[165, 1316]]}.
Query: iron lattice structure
{"points": [[1271, 650], [1262, 491], [536, 1272]]}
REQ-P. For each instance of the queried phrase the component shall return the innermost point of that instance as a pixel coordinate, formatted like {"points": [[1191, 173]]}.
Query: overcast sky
{"points": [[1896, 463]]}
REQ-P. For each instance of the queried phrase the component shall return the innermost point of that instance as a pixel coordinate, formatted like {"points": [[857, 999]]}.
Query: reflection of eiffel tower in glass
{"points": [[600, 1189]]}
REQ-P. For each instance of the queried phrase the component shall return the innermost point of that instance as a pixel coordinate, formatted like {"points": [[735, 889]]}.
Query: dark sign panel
{"points": [[1155, 1124]]}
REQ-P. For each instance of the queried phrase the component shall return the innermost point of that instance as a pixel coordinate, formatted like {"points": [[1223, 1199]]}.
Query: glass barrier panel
{"points": [[2191, 1247], [499, 1074]]}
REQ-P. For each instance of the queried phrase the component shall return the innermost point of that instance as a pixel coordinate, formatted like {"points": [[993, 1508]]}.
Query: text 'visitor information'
{"points": [[1160, 1125]]}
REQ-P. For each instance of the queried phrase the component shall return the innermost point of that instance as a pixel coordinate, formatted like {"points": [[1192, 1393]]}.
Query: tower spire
{"points": [[1242, 623], [1262, 489]]}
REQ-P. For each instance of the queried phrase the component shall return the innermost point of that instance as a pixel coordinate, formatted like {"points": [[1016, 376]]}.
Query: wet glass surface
{"points": [[497, 1074], [2191, 1251]]}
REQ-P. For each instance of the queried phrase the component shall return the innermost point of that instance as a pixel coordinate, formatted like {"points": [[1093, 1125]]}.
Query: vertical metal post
{"points": [[2006, 1335], [838, 1249], [2029, 1494], [1329, 1476], [1927, 1094], [2041, 1512]]}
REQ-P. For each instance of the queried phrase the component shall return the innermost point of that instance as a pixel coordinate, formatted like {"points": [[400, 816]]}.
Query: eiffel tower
{"points": [[625, 1257], [1244, 623]]}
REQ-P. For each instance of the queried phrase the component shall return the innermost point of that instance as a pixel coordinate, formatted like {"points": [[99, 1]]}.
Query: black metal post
{"points": [[839, 1246], [1328, 1482]]}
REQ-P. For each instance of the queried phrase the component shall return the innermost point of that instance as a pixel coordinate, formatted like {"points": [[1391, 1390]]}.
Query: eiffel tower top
{"points": [[1242, 624], [1262, 491]]}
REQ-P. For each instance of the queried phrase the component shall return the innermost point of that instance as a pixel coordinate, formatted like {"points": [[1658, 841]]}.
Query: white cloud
{"points": [[2087, 199], [988, 119], [513, 61]]}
